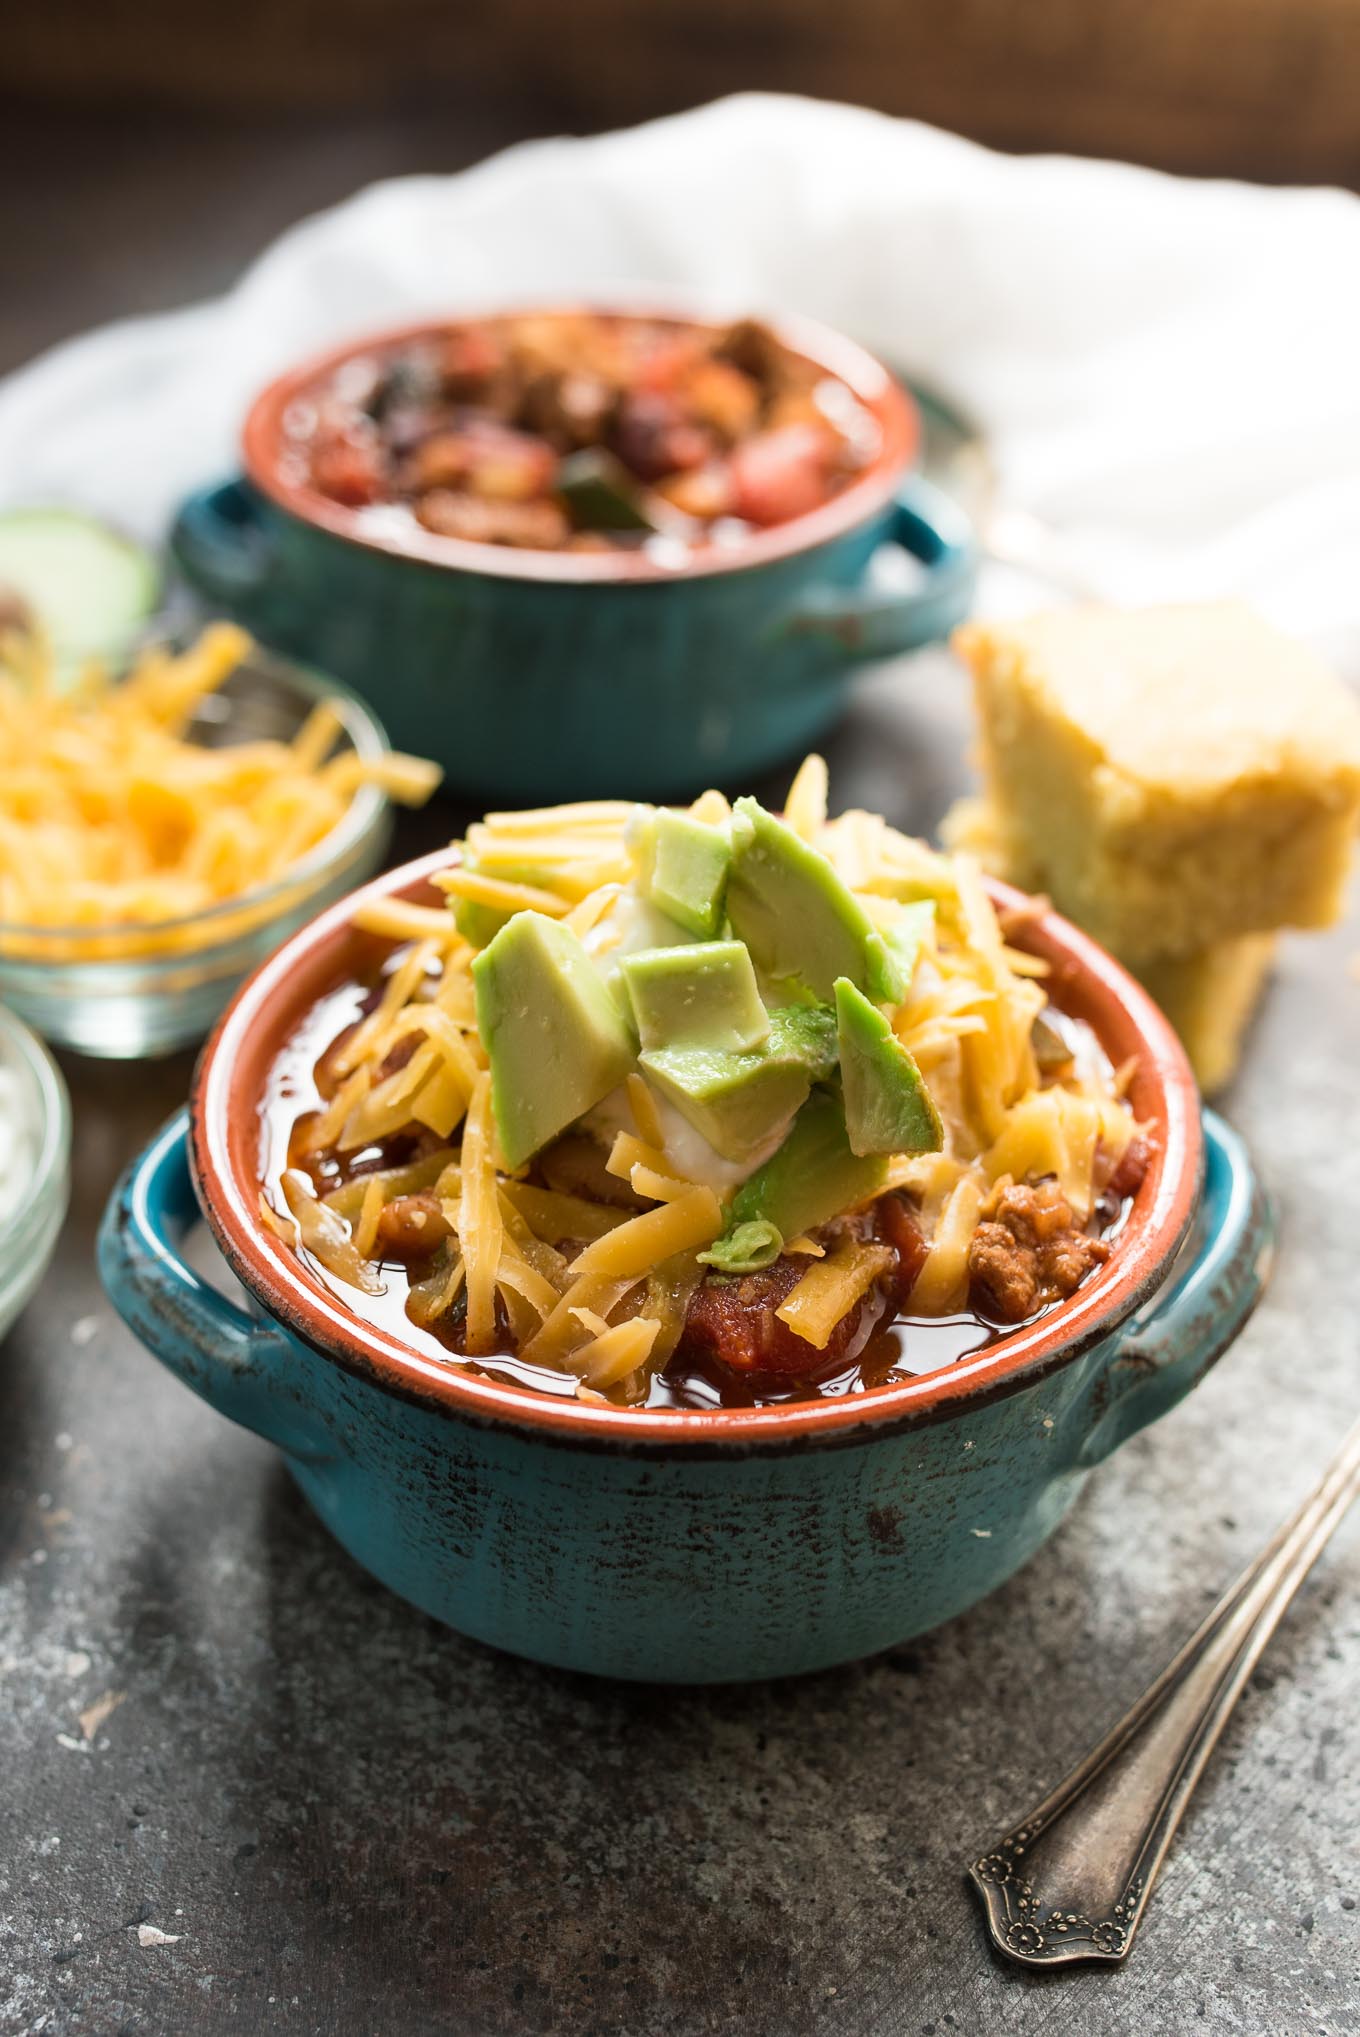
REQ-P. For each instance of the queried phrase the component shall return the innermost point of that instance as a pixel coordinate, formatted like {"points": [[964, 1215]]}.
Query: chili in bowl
{"points": [[596, 434], [576, 546], [756, 1207], [633, 1085]]}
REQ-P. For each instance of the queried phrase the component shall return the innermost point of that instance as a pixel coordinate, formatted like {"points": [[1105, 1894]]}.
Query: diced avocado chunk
{"points": [[894, 952], [557, 1041], [684, 864], [813, 1176], [737, 1101], [703, 995], [800, 922], [888, 1108], [807, 1032]]}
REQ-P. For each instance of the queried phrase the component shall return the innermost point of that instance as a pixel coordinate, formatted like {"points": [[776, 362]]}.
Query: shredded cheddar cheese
{"points": [[805, 807], [481, 1230], [370, 1215], [831, 1287], [499, 892], [646, 1116], [616, 1351], [118, 831]]}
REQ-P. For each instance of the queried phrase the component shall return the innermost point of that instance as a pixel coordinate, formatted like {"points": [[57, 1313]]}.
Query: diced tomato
{"points": [[897, 1226], [781, 474], [348, 472], [668, 360], [469, 356], [734, 1323]]}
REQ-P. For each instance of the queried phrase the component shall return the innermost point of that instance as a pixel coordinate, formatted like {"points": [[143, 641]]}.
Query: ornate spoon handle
{"points": [[1072, 1880]]}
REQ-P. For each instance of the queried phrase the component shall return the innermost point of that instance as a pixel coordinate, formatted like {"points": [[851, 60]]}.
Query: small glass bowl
{"points": [[128, 992], [42, 1152]]}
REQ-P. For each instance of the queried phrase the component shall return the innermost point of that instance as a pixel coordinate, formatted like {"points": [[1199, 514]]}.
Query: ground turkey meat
{"points": [[1030, 1252]]}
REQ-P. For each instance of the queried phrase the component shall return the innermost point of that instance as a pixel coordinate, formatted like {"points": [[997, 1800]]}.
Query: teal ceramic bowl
{"points": [[685, 1547], [541, 675]]}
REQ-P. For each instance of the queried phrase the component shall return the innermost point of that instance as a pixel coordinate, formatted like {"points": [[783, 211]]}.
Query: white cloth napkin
{"points": [[1166, 369]]}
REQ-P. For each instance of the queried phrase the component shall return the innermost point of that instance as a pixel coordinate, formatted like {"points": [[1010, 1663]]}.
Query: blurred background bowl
{"points": [[125, 992], [535, 675], [41, 1158]]}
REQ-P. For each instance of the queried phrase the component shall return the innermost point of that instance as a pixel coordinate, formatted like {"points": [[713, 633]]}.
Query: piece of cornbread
{"points": [[1209, 998], [1209, 995], [1173, 777]]}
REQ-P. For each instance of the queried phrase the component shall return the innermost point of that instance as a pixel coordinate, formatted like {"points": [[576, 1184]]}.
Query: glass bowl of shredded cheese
{"points": [[162, 832], [35, 1151]]}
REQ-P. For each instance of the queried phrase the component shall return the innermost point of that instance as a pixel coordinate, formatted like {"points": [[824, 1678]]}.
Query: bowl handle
{"points": [[238, 1364], [221, 544], [867, 622], [1167, 1346]]}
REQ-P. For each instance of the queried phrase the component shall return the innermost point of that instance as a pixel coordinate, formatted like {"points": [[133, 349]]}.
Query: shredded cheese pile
{"points": [[110, 817], [616, 1311]]}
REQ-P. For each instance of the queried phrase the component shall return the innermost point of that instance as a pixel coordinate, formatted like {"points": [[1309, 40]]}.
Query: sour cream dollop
{"points": [[20, 1135]]}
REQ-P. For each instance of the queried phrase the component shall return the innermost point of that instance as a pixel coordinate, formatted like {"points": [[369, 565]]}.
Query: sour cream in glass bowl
{"points": [[35, 1155]]}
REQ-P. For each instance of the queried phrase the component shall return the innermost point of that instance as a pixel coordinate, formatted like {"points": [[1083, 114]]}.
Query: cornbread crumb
{"points": [[1172, 777]]}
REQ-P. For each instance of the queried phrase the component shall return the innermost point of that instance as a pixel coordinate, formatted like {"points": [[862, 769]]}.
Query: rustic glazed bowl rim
{"points": [[894, 410], [224, 1150]]}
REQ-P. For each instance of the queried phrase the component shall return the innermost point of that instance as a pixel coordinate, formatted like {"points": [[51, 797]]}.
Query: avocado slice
{"points": [[87, 586], [703, 995], [813, 1176], [893, 955], [557, 1041], [888, 1108], [800, 922], [736, 1100], [684, 864]]}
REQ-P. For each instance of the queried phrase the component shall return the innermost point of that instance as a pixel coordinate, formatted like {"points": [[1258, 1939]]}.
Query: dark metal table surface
{"points": [[345, 1819]]}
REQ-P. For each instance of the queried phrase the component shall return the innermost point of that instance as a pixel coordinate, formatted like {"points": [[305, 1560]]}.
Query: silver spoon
{"points": [[1071, 1881]]}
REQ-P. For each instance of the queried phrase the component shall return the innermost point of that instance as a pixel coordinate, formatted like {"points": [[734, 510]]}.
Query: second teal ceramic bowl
{"points": [[540, 675]]}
